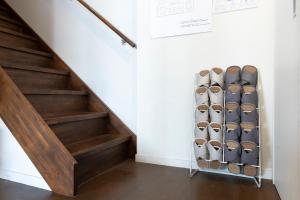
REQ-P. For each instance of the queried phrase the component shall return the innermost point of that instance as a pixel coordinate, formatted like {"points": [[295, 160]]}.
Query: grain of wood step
{"points": [[18, 34], [10, 20], [56, 104], [71, 117], [35, 68], [99, 143], [5, 12], [38, 77], [16, 39], [2, 8], [33, 91], [23, 56], [26, 50]]}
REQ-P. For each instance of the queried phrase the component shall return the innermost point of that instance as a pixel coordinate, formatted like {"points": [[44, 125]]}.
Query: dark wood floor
{"points": [[136, 181]]}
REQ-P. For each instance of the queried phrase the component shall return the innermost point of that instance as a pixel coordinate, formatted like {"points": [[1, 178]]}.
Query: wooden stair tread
{"points": [[71, 117], [35, 68], [102, 143], [10, 20], [33, 91], [26, 50], [18, 34]]}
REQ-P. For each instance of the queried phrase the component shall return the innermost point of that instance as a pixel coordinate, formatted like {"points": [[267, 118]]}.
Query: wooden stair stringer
{"points": [[45, 150]]}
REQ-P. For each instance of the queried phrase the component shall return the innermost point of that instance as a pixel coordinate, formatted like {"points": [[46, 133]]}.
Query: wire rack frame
{"points": [[195, 170]]}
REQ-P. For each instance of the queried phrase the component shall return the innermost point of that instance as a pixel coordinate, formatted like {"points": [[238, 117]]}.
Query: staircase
{"points": [[65, 129]]}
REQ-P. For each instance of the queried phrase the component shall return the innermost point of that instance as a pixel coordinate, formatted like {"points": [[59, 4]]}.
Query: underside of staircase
{"points": [[69, 134]]}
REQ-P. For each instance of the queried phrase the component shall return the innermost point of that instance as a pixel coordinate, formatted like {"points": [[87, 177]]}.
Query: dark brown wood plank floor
{"points": [[137, 181]]}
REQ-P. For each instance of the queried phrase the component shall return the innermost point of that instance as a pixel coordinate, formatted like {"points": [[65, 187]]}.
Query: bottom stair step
{"points": [[99, 143], [98, 154]]}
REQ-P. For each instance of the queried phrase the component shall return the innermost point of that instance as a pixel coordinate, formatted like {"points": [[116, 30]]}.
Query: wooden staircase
{"points": [[65, 129]]}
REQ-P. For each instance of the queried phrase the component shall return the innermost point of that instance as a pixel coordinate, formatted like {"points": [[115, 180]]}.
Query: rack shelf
{"points": [[223, 169]]}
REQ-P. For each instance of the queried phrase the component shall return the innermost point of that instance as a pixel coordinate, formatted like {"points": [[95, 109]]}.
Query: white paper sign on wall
{"points": [[180, 17], [221, 6]]}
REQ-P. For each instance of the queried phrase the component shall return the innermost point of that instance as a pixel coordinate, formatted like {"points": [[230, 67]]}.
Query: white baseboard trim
{"points": [[25, 179], [267, 173], [182, 163], [172, 162]]}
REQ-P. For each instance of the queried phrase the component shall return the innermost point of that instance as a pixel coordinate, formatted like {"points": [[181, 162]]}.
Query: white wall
{"points": [[166, 69], [15, 164], [287, 161], [92, 51]]}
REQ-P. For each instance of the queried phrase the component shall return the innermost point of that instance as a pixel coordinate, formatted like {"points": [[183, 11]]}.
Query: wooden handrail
{"points": [[125, 39]]}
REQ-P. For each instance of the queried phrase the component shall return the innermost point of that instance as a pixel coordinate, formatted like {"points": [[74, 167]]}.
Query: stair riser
{"points": [[79, 130], [18, 57], [4, 13], [97, 162], [56, 104], [11, 26], [12, 40], [31, 79]]}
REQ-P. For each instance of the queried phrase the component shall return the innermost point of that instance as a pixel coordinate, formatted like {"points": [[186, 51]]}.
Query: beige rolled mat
{"points": [[217, 70], [204, 72], [233, 69], [250, 170], [248, 89], [250, 69], [234, 88], [201, 90], [234, 168], [203, 164], [215, 164], [247, 107]]}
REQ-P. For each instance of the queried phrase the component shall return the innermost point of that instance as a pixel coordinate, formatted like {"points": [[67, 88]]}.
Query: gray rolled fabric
{"points": [[232, 132], [215, 131], [200, 149], [201, 113], [249, 75], [215, 150], [249, 133], [216, 113], [201, 130], [232, 112], [250, 153], [250, 95], [232, 152], [216, 95], [232, 75], [217, 77], [201, 96], [233, 93], [249, 113]]}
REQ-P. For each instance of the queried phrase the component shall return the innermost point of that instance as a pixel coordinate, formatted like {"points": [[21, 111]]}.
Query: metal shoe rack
{"points": [[194, 168]]}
